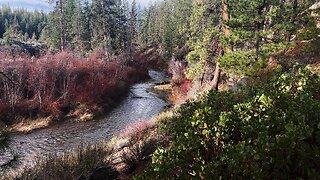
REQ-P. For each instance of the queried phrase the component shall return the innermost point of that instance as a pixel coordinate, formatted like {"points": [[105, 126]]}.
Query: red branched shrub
{"points": [[45, 85], [136, 128], [181, 84], [148, 60], [98, 54], [51, 108], [185, 85]]}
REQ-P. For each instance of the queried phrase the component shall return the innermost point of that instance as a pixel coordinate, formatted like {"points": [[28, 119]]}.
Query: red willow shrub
{"points": [[181, 84], [136, 129], [185, 85], [148, 58], [54, 83]]}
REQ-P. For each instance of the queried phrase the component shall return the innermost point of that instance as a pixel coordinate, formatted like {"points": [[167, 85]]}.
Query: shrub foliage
{"points": [[269, 129]]}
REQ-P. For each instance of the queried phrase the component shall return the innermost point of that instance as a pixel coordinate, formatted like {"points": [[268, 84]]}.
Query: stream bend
{"points": [[69, 135]]}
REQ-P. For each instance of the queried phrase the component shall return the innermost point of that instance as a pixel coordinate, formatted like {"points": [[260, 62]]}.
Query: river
{"points": [[140, 104]]}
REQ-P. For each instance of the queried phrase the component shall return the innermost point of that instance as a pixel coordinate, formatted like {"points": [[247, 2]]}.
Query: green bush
{"points": [[268, 130]]}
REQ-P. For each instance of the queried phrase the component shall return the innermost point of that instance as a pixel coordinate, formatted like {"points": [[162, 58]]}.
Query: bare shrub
{"points": [[138, 152], [140, 146], [54, 83]]}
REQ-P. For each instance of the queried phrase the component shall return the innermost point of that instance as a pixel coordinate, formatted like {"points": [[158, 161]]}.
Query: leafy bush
{"points": [[268, 130]]}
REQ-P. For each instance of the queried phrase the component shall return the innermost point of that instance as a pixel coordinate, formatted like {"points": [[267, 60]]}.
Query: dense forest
{"points": [[240, 35], [21, 24], [110, 25], [75, 25], [244, 83]]}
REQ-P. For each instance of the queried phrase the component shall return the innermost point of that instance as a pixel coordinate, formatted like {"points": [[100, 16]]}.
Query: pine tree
{"points": [[61, 25], [226, 33], [181, 15], [169, 31], [144, 28], [133, 22], [71, 23], [27, 22], [204, 28], [51, 34], [85, 28], [258, 29], [102, 24], [124, 25]]}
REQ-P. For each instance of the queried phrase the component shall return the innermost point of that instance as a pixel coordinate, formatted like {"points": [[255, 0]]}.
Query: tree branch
{"points": [[7, 77]]}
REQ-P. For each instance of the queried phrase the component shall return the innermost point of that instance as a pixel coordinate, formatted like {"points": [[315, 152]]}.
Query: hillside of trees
{"points": [[240, 35], [83, 26], [246, 73], [76, 25], [21, 24]]}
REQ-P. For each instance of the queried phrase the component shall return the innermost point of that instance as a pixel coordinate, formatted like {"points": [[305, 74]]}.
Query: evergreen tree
{"points": [[260, 28], [204, 28], [133, 22], [85, 28], [144, 28], [120, 28], [124, 24], [71, 16], [168, 31], [101, 11], [99, 24], [181, 15], [51, 34]]}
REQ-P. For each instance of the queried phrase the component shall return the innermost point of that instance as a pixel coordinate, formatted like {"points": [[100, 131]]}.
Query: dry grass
{"points": [[26, 125], [73, 165]]}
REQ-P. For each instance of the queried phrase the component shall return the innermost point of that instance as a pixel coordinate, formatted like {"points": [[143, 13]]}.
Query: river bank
{"points": [[81, 113], [71, 88]]}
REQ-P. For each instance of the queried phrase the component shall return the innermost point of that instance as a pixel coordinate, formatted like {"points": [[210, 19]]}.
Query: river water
{"points": [[140, 104]]}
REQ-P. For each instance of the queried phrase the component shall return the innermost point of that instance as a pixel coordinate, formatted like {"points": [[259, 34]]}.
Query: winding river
{"points": [[140, 104]]}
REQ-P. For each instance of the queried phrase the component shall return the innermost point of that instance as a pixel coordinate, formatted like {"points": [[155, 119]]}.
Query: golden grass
{"points": [[27, 125]]}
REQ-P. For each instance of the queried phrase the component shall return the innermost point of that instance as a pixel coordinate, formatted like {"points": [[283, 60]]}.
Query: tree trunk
{"points": [[215, 81], [259, 26], [61, 23], [225, 17], [292, 19], [226, 32]]}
